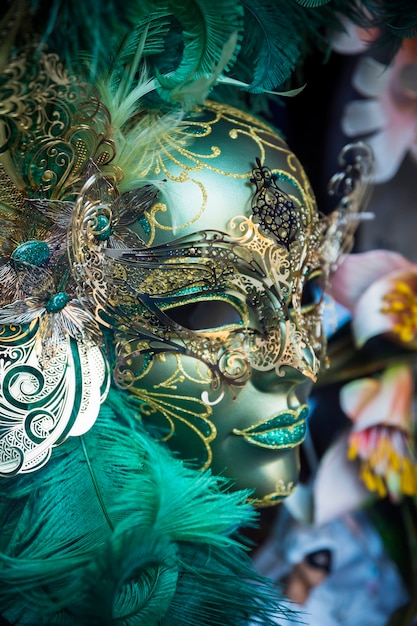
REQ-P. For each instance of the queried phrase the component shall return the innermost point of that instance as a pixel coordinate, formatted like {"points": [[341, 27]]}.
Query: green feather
{"points": [[272, 46], [205, 32], [108, 531], [312, 3], [210, 42], [211, 568], [279, 35], [396, 20], [71, 27], [197, 40]]}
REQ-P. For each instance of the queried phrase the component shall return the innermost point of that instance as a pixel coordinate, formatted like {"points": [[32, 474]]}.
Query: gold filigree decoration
{"points": [[52, 126], [253, 268], [282, 491], [175, 410], [168, 412], [177, 157], [179, 375]]}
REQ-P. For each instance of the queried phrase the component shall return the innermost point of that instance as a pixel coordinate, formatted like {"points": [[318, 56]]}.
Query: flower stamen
{"points": [[402, 305], [386, 460]]}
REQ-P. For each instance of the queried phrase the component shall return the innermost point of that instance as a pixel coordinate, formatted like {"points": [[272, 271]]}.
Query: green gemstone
{"points": [[32, 252], [57, 302], [103, 228]]}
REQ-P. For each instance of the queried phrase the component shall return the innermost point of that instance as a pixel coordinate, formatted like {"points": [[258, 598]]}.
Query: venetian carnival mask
{"points": [[210, 276], [227, 293]]}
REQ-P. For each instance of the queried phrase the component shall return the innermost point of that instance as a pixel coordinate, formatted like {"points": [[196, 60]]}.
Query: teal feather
{"points": [[212, 567], [277, 38], [94, 28], [312, 3], [210, 42], [397, 20], [197, 40], [270, 34], [115, 530]]}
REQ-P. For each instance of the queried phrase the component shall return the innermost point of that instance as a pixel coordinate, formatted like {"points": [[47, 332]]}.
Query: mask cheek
{"points": [[169, 391], [272, 475]]}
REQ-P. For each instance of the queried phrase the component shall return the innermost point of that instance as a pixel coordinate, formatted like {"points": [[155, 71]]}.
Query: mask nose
{"points": [[270, 382], [295, 367]]}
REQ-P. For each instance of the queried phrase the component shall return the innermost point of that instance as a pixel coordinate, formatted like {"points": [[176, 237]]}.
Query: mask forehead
{"points": [[205, 173]]}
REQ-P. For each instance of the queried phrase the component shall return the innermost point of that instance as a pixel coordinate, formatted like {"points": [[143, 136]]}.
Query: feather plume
{"points": [[114, 528], [312, 3], [190, 44], [277, 37], [210, 45], [270, 33]]}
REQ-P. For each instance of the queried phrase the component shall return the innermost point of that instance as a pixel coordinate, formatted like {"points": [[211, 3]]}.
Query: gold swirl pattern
{"points": [[51, 126]]}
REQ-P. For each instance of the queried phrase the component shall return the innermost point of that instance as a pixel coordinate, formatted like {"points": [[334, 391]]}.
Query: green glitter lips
{"points": [[285, 430]]}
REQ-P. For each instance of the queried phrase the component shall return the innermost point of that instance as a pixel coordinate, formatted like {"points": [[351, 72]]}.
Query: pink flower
{"points": [[381, 438], [376, 455], [379, 288], [388, 110]]}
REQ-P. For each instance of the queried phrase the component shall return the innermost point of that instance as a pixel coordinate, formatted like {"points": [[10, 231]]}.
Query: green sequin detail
{"points": [[283, 419], [144, 223], [281, 438]]}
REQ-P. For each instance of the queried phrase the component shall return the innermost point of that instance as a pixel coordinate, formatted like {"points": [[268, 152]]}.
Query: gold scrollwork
{"points": [[52, 126]]}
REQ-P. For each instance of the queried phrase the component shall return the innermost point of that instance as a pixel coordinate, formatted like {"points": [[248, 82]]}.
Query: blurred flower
{"points": [[382, 413], [353, 39], [379, 288], [374, 458], [388, 110], [402, 305]]}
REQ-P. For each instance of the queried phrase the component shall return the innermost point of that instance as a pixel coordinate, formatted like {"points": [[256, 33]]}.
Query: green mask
{"points": [[225, 331]]}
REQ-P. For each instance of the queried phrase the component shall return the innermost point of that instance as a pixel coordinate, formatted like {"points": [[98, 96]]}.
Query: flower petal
{"points": [[390, 147], [353, 40], [371, 316], [357, 272], [397, 387], [355, 396], [387, 402], [337, 488], [361, 117], [371, 77]]}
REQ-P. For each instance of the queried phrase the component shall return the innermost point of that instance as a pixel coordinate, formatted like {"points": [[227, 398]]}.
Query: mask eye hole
{"points": [[205, 315], [313, 291]]}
